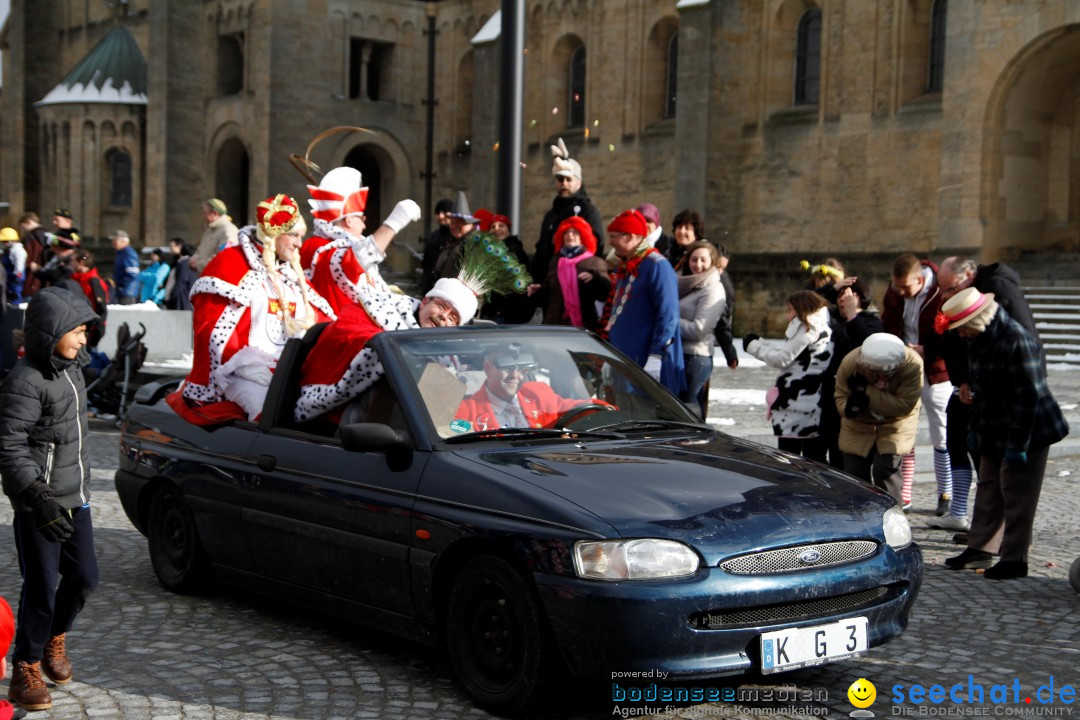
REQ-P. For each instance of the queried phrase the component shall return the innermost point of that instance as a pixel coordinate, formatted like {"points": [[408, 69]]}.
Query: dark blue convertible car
{"points": [[606, 529]]}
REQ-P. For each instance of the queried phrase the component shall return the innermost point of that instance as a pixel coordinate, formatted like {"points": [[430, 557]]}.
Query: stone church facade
{"points": [[798, 128]]}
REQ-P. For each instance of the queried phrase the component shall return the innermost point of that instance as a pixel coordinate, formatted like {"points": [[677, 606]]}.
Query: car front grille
{"points": [[789, 612], [803, 557]]}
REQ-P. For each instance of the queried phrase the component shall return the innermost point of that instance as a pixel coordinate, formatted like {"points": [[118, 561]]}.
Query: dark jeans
{"points": [[46, 610], [698, 371], [882, 471]]}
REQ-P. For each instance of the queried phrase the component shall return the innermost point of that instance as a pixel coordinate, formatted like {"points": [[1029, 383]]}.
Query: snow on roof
{"points": [[114, 71]]}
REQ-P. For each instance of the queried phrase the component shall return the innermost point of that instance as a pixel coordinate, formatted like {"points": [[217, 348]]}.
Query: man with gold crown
{"points": [[340, 366], [340, 261], [249, 301]]}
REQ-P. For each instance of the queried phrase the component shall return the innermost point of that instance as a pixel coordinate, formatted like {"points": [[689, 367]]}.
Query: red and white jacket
{"points": [[344, 269], [239, 318]]}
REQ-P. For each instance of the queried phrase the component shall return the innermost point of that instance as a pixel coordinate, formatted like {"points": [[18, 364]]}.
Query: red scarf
{"points": [[620, 294]]}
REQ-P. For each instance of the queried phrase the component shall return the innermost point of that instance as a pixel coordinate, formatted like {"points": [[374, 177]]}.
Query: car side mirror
{"points": [[378, 438]]}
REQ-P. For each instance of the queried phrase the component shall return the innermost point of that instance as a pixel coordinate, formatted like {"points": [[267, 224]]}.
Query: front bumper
{"points": [[709, 625]]}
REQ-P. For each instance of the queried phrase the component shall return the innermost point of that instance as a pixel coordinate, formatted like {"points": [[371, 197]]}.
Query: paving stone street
{"points": [[142, 652]]}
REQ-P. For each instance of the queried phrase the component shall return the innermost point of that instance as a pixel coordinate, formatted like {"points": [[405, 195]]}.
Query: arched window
{"points": [[808, 58], [119, 179], [936, 76], [672, 76], [576, 116]]}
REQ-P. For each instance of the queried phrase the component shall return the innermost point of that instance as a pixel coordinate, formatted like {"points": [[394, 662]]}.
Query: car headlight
{"points": [[642, 559], [897, 528]]}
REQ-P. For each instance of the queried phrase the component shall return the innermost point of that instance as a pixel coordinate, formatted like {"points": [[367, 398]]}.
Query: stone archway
{"points": [[363, 159], [231, 180], [1031, 173]]}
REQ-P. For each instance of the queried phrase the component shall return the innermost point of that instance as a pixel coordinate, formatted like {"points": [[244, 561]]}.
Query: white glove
{"points": [[404, 213], [653, 365]]}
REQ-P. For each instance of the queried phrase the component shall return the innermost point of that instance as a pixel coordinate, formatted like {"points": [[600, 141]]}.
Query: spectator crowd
{"points": [[955, 341]]}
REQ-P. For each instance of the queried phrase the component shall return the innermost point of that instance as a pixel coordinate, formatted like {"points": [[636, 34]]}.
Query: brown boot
{"points": [[27, 689], [55, 664]]}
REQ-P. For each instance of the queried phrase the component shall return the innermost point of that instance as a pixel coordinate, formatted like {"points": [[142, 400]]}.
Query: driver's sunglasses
{"points": [[521, 368]]}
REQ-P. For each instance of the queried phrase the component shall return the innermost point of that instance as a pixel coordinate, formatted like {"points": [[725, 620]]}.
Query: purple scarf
{"points": [[569, 281]]}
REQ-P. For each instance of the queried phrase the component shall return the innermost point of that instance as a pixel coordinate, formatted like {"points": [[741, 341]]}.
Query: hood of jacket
{"points": [[51, 314]]}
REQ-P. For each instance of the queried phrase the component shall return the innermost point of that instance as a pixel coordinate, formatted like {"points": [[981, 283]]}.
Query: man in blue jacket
{"points": [[641, 316], [125, 269]]}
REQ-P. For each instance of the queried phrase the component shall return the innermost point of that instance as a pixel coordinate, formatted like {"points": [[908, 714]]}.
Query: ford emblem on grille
{"points": [[810, 556]]}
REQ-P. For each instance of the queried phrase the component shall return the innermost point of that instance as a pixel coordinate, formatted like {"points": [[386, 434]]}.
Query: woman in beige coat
{"points": [[879, 394]]}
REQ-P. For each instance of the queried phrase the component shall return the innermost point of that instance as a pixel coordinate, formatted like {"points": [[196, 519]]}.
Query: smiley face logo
{"points": [[862, 693]]}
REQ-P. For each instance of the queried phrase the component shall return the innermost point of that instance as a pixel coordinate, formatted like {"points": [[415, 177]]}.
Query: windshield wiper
{"points": [[653, 425], [532, 432]]}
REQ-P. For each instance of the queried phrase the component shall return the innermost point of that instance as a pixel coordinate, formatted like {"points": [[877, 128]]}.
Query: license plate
{"points": [[798, 647]]}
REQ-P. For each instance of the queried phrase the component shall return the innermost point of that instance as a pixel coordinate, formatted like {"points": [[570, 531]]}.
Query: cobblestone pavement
{"points": [[142, 652]]}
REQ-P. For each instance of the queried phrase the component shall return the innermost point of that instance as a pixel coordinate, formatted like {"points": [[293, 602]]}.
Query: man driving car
{"points": [[507, 399]]}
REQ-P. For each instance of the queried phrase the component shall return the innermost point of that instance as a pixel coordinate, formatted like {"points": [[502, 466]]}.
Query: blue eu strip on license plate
{"points": [[801, 646]]}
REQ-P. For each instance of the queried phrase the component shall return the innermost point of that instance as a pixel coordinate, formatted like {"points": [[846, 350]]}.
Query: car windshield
{"points": [[533, 381]]}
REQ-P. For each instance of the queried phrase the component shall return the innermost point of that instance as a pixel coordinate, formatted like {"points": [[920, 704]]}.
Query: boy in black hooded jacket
{"points": [[45, 470]]}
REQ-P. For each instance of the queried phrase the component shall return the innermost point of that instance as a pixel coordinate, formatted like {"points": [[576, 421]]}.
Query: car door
{"points": [[321, 517]]}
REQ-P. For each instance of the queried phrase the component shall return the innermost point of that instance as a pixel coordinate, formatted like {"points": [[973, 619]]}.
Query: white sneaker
{"points": [[949, 522]]}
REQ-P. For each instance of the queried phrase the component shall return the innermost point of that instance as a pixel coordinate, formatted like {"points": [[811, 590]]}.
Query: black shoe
{"points": [[960, 538], [1007, 570], [943, 503], [970, 559]]}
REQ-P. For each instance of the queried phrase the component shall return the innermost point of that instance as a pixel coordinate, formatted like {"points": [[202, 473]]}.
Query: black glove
{"points": [[51, 520], [856, 403], [857, 383], [749, 338]]}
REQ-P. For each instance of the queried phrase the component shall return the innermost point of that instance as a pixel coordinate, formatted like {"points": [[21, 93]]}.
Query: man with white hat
{"points": [[1014, 421], [340, 366], [879, 393], [340, 261]]}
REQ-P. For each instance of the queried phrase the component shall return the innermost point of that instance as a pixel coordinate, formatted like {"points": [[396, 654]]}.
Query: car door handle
{"points": [[266, 463]]}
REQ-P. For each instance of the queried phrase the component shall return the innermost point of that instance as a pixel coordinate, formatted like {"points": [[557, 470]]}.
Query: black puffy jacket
{"points": [[43, 423]]}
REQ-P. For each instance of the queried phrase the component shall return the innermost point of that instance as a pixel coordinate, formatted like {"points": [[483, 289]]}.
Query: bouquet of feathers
{"points": [[488, 267]]}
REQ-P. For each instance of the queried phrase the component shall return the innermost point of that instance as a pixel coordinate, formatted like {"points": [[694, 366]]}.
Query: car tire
{"points": [[176, 553], [1074, 575], [496, 635]]}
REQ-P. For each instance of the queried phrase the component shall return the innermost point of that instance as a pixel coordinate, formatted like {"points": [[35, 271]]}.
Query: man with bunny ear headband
{"points": [[570, 200]]}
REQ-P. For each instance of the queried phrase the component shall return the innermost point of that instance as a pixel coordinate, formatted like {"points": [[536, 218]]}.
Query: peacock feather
{"points": [[488, 267]]}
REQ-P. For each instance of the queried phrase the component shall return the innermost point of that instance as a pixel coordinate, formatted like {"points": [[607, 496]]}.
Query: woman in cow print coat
{"points": [[804, 356]]}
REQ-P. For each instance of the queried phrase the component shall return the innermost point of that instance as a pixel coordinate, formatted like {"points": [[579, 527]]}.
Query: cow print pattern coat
{"points": [[804, 357]]}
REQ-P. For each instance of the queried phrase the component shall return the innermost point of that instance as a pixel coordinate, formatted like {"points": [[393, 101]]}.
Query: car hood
{"points": [[718, 493]]}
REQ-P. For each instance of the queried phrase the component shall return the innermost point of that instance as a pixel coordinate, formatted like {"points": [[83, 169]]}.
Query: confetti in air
{"points": [[611, 148], [554, 111]]}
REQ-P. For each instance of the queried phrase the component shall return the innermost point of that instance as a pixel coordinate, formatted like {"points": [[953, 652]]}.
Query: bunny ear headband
{"points": [[563, 164]]}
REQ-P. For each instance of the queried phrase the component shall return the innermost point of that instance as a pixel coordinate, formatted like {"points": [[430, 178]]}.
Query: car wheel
{"points": [[1074, 575], [180, 562], [496, 635]]}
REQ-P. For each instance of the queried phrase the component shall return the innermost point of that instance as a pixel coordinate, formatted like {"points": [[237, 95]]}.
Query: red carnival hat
{"points": [[631, 222], [338, 195]]}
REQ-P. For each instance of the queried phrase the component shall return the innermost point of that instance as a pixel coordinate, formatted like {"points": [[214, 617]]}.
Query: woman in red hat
{"points": [[248, 302], [577, 280]]}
